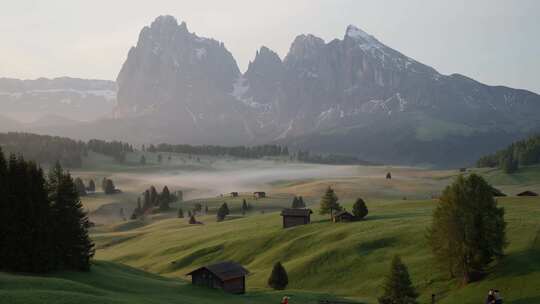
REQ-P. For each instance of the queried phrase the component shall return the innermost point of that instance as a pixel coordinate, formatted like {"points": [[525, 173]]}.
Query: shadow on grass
{"points": [[368, 247]]}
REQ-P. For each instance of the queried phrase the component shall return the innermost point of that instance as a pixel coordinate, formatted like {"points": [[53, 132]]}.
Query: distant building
{"points": [[228, 276], [234, 194], [527, 193], [343, 216], [296, 217], [259, 194]]}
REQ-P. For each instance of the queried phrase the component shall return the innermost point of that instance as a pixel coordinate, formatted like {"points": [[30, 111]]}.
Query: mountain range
{"points": [[351, 95]]}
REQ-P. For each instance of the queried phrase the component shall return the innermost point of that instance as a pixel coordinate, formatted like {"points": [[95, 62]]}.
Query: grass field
{"points": [[345, 260]]}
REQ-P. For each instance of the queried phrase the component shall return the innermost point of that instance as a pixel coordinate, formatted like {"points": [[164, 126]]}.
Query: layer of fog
{"points": [[241, 176]]}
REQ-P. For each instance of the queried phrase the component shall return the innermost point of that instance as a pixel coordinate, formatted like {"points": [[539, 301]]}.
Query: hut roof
{"points": [[296, 212], [224, 270], [527, 193], [343, 212]]}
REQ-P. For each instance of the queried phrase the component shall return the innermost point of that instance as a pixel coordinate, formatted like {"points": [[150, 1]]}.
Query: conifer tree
{"points": [[4, 208], [109, 187], [147, 203], [468, 230], [397, 286], [73, 244], [180, 213], [295, 204], [223, 211], [245, 206], [360, 209], [91, 186], [192, 219], [79, 185], [329, 202], [164, 199], [278, 278], [153, 196], [301, 203]]}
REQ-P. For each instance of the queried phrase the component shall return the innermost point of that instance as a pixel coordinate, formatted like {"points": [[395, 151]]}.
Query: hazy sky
{"points": [[493, 41]]}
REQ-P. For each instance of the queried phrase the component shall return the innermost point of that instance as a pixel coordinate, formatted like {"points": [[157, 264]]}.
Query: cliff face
{"points": [[353, 95]]}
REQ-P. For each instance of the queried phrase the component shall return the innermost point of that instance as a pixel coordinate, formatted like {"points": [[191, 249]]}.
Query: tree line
{"points": [[520, 153], [329, 159], [237, 151], [153, 202], [45, 149], [43, 226]]}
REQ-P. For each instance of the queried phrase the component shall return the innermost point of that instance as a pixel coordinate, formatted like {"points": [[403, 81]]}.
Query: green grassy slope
{"points": [[112, 283], [346, 259]]}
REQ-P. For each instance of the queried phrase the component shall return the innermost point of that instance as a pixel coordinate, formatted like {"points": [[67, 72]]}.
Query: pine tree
{"points": [[180, 213], [138, 211], [192, 219], [329, 202], [91, 186], [4, 208], [295, 202], [509, 164], [147, 203], [73, 244], [79, 185], [109, 187], [244, 206], [154, 196], [468, 229], [360, 209], [398, 288], [301, 203], [164, 199], [223, 211], [278, 278]]}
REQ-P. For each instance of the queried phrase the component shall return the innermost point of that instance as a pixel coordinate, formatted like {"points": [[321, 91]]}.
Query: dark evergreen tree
{"points": [[245, 207], [91, 186], [27, 244], [147, 203], [79, 185], [329, 202], [397, 286], [278, 278], [509, 164], [468, 229], [360, 209], [223, 211], [138, 211], [180, 213], [295, 203], [154, 198], [109, 187], [301, 203], [192, 219], [72, 242], [164, 199]]}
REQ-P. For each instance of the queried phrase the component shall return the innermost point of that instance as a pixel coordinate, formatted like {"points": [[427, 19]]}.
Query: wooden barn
{"points": [[234, 194], [527, 193], [259, 194], [343, 216], [296, 217], [228, 276]]}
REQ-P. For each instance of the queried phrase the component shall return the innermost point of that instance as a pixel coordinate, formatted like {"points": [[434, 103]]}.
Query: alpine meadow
{"points": [[158, 163]]}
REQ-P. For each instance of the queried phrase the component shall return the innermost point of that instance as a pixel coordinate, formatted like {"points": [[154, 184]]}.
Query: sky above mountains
{"points": [[493, 41]]}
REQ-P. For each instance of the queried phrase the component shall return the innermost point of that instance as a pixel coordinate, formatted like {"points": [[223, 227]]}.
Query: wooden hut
{"points": [[234, 194], [343, 216], [259, 194], [228, 276], [527, 193], [296, 217]]}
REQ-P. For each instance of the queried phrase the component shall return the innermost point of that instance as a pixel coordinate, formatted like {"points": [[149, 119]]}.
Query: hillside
{"points": [[113, 283], [346, 259]]}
